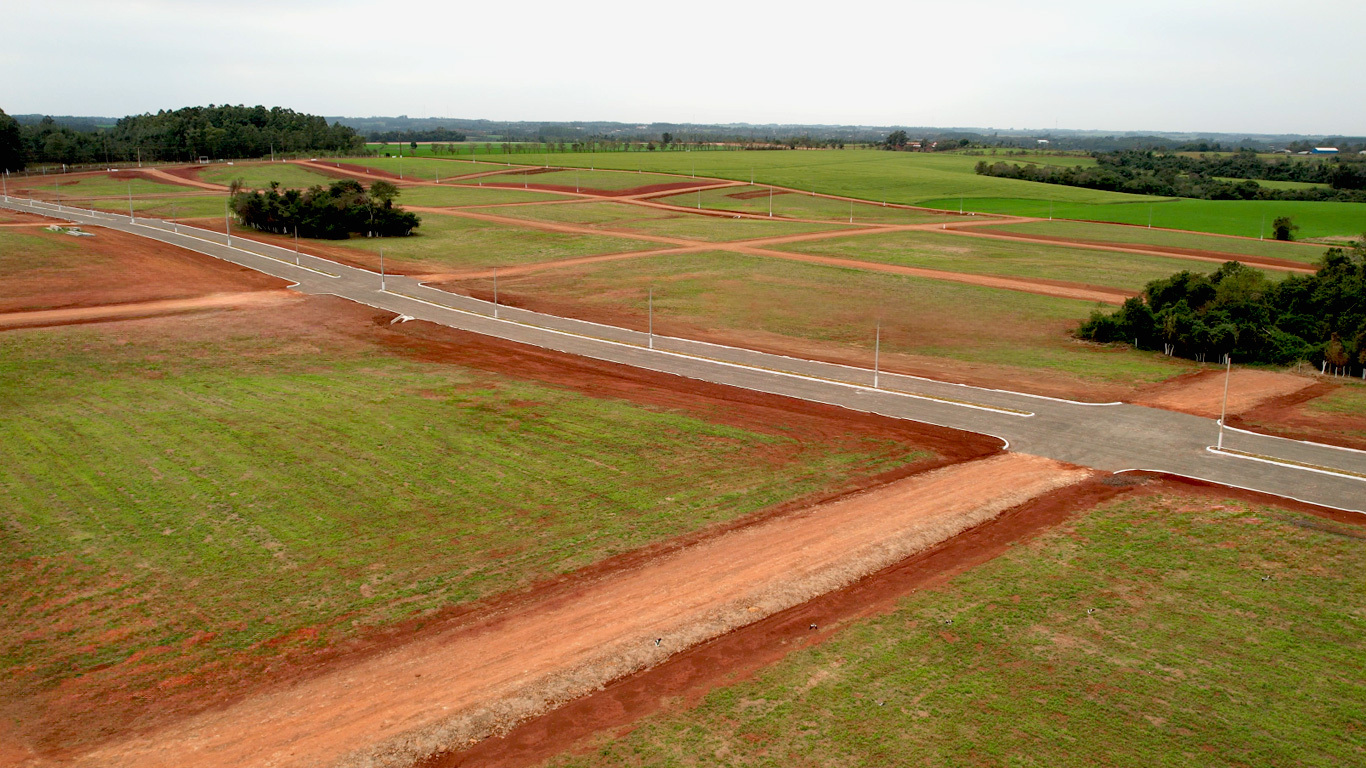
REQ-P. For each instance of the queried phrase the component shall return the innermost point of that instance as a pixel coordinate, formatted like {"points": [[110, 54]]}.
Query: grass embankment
{"points": [[956, 253], [1112, 233], [813, 309], [187, 498], [653, 221], [1190, 657], [260, 175]]}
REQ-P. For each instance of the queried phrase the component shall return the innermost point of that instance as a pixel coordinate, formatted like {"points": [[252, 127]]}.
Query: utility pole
{"points": [[1223, 412], [652, 317], [296, 245], [57, 190], [1150, 215], [877, 351], [770, 202], [495, 293], [4, 180], [381, 269], [175, 225], [130, 203], [1261, 230], [227, 221], [851, 211]]}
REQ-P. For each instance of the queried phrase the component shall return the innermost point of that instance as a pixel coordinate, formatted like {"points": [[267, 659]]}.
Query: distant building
{"points": [[1042, 141], [1325, 150]]}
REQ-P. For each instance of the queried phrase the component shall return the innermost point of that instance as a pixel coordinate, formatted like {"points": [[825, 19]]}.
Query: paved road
{"points": [[1113, 437]]}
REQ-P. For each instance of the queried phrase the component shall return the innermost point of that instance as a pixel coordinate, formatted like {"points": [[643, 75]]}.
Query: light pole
{"points": [[4, 180], [381, 269], [227, 221], [651, 315], [296, 245], [770, 202], [877, 351], [57, 190], [495, 293], [851, 211], [1223, 411], [1261, 230], [175, 225], [1150, 215], [130, 202]]}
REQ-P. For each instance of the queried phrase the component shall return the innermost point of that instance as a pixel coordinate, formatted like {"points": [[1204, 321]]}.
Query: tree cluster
{"points": [[334, 212], [187, 134], [1235, 310], [435, 134], [1205, 177]]}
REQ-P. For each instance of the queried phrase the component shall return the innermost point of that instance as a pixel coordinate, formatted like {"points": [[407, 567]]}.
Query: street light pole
{"points": [[652, 317], [381, 269], [296, 245], [495, 293], [877, 351], [130, 202], [1223, 412], [175, 226]]}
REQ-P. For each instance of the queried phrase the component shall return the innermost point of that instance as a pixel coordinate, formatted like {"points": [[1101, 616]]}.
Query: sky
{"points": [[1237, 67]]}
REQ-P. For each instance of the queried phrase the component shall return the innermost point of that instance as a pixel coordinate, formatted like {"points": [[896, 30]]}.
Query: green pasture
{"points": [[260, 175], [454, 195], [478, 148], [810, 306], [100, 186], [1350, 398], [1112, 233], [585, 179], [424, 168], [34, 249], [184, 206], [756, 200], [653, 221], [241, 486], [1169, 630], [456, 242], [957, 253], [1245, 218]]}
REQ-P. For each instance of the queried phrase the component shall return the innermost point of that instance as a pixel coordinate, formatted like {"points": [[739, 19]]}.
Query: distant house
{"points": [[1041, 141], [1325, 150]]}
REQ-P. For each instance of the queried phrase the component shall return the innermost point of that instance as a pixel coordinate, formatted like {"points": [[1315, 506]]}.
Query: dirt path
{"points": [[74, 315], [1202, 393], [461, 685]]}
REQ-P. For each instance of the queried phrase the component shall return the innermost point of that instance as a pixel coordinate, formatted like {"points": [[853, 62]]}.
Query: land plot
{"points": [[460, 195], [164, 207], [424, 168], [956, 253], [1156, 629], [1332, 412], [1112, 233], [1010, 339], [1244, 218], [189, 503], [48, 270], [587, 180], [755, 200], [108, 185], [260, 175], [653, 221]]}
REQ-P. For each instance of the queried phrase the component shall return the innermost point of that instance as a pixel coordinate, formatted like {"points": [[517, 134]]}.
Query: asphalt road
{"points": [[1114, 437]]}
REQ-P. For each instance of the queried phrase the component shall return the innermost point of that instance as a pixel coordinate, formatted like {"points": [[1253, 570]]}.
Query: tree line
{"points": [[178, 135], [1319, 318], [335, 212], [1168, 175]]}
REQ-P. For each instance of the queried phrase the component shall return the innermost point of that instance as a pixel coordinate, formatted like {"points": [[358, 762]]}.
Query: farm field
{"points": [[653, 221], [1111, 233], [260, 175], [1009, 339], [155, 473], [1155, 629], [957, 253], [755, 200]]}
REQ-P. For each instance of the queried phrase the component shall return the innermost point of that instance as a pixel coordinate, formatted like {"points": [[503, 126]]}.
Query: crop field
{"points": [[756, 200], [815, 310], [186, 499], [1245, 218], [956, 253], [1111, 233], [1166, 629], [260, 175], [587, 179], [653, 221]]}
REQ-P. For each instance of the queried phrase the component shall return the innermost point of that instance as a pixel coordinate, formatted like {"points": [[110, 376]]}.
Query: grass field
{"points": [[260, 175], [426, 168], [183, 492], [458, 195], [181, 206], [25, 250], [635, 218], [1349, 399], [1111, 233], [956, 253], [812, 309], [452, 241], [1245, 218], [1190, 658], [753, 199], [101, 186], [587, 179]]}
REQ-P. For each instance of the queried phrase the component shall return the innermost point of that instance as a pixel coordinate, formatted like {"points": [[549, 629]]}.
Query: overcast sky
{"points": [[1245, 66]]}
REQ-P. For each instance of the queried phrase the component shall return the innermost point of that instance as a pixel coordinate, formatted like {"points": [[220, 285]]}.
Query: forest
{"points": [[335, 212]]}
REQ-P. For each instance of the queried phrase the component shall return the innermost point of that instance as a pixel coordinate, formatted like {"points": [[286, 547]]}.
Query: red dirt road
{"points": [[106, 312], [463, 684]]}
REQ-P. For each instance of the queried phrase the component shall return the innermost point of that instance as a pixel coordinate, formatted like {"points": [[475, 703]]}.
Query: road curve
{"points": [[1111, 437]]}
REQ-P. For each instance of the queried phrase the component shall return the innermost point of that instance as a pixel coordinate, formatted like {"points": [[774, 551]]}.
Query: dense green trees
{"points": [[11, 144], [1205, 177], [1236, 310], [187, 134], [334, 213]]}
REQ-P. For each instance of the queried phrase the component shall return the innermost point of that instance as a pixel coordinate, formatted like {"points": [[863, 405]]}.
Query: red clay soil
{"points": [[1202, 393], [109, 312], [351, 170], [19, 218], [1195, 254], [682, 681], [1290, 416], [125, 269]]}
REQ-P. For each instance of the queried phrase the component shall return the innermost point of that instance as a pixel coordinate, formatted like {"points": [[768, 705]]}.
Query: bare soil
{"points": [[108, 312], [1202, 393], [1291, 416], [464, 683]]}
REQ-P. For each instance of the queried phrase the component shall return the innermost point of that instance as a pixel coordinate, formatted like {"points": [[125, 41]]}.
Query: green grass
{"points": [[102, 186], [1111, 233], [584, 179], [956, 253], [1190, 658], [183, 206], [652, 221], [798, 306], [29, 249], [1350, 399], [452, 241], [798, 206], [1245, 218], [425, 168], [424, 149], [260, 175], [236, 485], [459, 195]]}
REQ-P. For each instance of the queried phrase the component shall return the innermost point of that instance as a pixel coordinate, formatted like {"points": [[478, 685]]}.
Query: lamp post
{"points": [[381, 269], [495, 293], [296, 245], [877, 351], [651, 315], [1223, 411]]}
